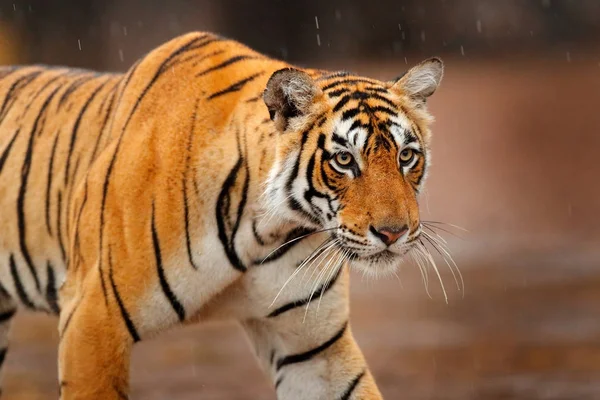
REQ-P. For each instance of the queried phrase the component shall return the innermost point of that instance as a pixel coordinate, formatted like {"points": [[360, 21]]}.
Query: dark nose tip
{"points": [[389, 234]]}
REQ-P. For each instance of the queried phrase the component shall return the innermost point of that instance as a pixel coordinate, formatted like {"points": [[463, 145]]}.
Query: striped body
{"points": [[135, 202]]}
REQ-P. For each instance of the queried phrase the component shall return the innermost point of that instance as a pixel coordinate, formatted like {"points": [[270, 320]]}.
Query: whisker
{"points": [[432, 228], [296, 239], [447, 256], [433, 244], [316, 251], [339, 263], [321, 274], [435, 268], [326, 252], [446, 223], [414, 254]]}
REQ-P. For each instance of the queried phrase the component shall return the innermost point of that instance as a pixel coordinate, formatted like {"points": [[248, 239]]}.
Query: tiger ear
{"points": [[289, 93], [422, 80]]}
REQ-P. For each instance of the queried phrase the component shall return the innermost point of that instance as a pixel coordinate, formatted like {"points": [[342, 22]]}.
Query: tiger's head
{"points": [[351, 157]]}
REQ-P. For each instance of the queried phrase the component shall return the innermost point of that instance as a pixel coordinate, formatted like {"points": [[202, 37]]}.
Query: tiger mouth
{"points": [[382, 256]]}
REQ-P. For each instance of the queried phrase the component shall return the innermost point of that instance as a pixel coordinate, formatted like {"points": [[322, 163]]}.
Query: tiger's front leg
{"points": [[311, 354], [95, 344]]}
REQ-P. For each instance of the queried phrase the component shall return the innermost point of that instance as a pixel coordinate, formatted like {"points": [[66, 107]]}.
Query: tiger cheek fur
{"points": [[192, 187]]}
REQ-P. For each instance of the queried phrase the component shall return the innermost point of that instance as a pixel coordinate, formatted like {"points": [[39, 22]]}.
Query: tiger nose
{"points": [[389, 234]]}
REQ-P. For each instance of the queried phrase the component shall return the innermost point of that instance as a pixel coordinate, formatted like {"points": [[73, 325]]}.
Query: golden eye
{"points": [[344, 159], [406, 156]]}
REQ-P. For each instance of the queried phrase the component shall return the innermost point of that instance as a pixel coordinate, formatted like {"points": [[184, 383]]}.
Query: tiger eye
{"points": [[344, 159], [406, 156]]}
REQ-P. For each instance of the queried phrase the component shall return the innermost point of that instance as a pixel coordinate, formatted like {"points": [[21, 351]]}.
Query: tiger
{"points": [[208, 182]]}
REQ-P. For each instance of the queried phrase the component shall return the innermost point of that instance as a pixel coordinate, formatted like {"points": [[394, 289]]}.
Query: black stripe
{"points": [[25, 170], [2, 355], [7, 315], [302, 357], [49, 184], [333, 75], [341, 103], [348, 81], [207, 56], [254, 99], [257, 236], [346, 395], [339, 92], [107, 115], [59, 227], [76, 127], [76, 244], [177, 306], [186, 217], [339, 139], [73, 86], [128, 322], [31, 102], [281, 251], [195, 47], [70, 194], [23, 297], [383, 99], [225, 63], [186, 210], [383, 109], [351, 113], [299, 303], [17, 85], [51, 294], [6, 151], [278, 382], [68, 321], [293, 203], [235, 87], [222, 211]]}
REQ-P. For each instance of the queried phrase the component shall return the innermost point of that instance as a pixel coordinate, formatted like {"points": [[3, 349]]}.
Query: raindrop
{"points": [[478, 25], [399, 27], [570, 210], [338, 15], [422, 36], [462, 50], [568, 56], [317, 21], [79, 44], [124, 31], [403, 35], [318, 40], [405, 60], [121, 55], [140, 24], [30, 9], [14, 7]]}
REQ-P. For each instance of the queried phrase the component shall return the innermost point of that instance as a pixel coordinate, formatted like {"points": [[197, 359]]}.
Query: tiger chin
{"points": [[197, 186]]}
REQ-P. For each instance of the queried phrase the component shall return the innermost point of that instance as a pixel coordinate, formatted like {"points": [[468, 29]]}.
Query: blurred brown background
{"points": [[516, 162]]}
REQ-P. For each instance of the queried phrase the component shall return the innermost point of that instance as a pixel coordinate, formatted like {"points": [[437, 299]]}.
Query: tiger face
{"points": [[351, 158]]}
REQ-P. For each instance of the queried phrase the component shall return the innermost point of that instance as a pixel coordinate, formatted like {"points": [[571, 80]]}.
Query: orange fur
{"points": [[138, 195]]}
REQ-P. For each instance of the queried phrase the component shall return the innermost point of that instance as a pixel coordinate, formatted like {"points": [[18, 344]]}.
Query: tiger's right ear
{"points": [[289, 94]]}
